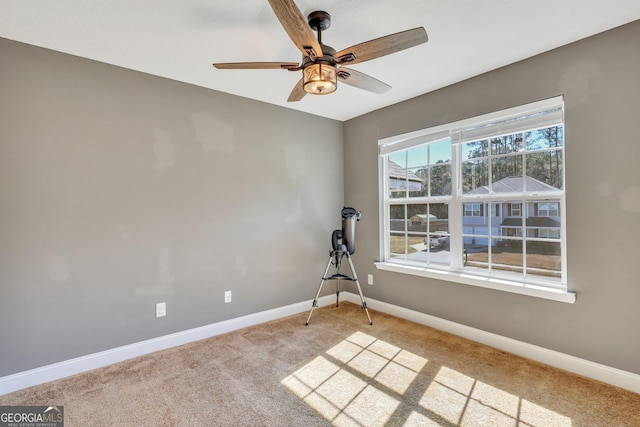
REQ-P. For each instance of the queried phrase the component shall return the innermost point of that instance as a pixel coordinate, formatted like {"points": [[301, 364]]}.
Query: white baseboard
{"points": [[613, 376], [606, 374], [86, 363]]}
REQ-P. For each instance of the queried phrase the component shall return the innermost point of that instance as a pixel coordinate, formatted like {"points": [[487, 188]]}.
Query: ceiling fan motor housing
{"points": [[319, 20]]}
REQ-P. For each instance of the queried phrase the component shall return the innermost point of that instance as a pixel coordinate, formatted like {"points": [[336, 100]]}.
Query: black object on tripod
{"points": [[343, 243]]}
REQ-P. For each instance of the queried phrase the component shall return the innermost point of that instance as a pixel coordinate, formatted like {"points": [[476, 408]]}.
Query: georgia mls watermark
{"points": [[31, 416]]}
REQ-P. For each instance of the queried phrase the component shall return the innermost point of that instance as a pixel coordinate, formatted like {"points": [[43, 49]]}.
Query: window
{"points": [[548, 209], [481, 198], [472, 209]]}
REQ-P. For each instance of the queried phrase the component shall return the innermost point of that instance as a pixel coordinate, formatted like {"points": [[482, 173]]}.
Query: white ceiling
{"points": [[181, 39]]}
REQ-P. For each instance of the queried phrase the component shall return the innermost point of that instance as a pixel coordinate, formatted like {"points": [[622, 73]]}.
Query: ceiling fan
{"points": [[321, 65]]}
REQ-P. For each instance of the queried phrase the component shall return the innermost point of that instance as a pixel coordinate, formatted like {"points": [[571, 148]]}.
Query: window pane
{"points": [[397, 183], [418, 215], [416, 223], [544, 260], [438, 240], [440, 180], [417, 181], [507, 258], [475, 225], [544, 138], [440, 152], [439, 217], [397, 246], [471, 150], [397, 179], [475, 176], [543, 220], [507, 174], [506, 144], [544, 171], [397, 218], [477, 256], [417, 156], [416, 248]]}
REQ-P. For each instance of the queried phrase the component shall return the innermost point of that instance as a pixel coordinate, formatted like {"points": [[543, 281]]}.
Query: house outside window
{"points": [[491, 197]]}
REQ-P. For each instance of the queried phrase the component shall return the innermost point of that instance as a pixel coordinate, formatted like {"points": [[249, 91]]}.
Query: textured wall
{"points": [[600, 81], [119, 190]]}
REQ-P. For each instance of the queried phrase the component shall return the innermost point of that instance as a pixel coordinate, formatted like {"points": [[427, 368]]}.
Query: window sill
{"points": [[490, 283]]}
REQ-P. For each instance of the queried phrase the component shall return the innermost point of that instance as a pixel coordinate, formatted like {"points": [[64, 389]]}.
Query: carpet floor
{"points": [[338, 370]]}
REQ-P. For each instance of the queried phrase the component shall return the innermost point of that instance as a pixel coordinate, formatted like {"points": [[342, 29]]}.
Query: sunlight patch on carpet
{"points": [[365, 382], [465, 401]]}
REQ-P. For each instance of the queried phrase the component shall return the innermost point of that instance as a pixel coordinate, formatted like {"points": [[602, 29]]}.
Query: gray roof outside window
{"points": [[513, 184]]}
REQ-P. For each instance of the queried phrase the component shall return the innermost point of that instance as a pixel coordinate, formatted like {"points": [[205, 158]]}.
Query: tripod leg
{"points": [[355, 279], [338, 282], [315, 300]]}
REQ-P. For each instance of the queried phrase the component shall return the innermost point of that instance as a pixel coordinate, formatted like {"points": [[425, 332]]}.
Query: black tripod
{"points": [[349, 216]]}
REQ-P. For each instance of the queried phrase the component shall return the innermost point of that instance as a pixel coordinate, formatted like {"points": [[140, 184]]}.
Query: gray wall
{"points": [[119, 190], [600, 79]]}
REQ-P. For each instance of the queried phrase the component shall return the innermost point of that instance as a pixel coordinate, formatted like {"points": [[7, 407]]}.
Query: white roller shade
{"points": [[536, 115]]}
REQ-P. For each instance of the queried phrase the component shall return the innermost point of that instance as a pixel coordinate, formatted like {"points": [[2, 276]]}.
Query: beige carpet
{"points": [[339, 371]]}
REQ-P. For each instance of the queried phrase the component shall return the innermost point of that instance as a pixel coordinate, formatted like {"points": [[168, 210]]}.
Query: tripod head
{"points": [[345, 240]]}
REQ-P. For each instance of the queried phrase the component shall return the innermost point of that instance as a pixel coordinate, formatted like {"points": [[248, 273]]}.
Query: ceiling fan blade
{"points": [[382, 46], [256, 65], [297, 27], [297, 93], [362, 81]]}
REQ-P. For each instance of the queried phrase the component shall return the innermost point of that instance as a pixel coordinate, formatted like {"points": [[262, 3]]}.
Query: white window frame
{"points": [[519, 119]]}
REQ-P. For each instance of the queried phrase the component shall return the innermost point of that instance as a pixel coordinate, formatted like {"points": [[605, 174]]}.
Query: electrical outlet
{"points": [[370, 279], [161, 309], [227, 297]]}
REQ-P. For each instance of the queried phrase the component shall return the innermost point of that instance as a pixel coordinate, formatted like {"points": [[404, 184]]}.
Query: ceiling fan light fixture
{"points": [[319, 79]]}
